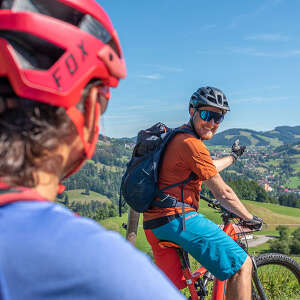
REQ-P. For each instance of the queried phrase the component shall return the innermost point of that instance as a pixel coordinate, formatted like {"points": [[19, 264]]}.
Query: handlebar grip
{"points": [[256, 223]]}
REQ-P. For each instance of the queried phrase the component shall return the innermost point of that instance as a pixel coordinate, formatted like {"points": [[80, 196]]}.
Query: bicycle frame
{"points": [[197, 281], [192, 279]]}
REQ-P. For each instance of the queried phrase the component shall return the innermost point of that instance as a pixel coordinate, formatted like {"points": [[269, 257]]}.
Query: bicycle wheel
{"points": [[277, 278]]}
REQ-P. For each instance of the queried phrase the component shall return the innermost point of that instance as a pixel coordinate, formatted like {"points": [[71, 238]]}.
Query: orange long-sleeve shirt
{"points": [[183, 155]]}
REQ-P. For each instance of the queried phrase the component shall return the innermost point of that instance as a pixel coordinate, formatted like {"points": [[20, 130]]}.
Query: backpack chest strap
{"points": [[170, 202]]}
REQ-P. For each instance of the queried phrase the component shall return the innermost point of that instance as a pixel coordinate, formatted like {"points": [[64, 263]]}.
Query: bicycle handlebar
{"points": [[215, 204], [227, 215]]}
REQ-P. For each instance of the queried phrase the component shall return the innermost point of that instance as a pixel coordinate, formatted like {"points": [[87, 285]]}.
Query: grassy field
{"points": [[293, 182], [115, 224], [79, 196], [275, 208], [271, 213], [275, 142]]}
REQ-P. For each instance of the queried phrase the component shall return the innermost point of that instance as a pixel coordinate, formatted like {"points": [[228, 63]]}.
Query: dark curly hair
{"points": [[30, 132]]}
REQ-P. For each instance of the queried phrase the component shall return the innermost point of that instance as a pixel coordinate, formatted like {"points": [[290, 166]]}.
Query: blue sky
{"points": [[248, 49]]}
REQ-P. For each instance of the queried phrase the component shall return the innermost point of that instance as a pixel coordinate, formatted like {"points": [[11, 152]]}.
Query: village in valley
{"points": [[276, 170]]}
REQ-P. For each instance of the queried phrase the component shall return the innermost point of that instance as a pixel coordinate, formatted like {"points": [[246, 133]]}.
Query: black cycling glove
{"points": [[256, 223], [237, 150]]}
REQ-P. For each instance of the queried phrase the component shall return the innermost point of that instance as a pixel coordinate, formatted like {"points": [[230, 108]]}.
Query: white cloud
{"points": [[151, 76], [251, 52], [151, 106], [255, 52], [256, 90], [267, 37], [259, 99], [165, 68], [170, 69], [265, 5]]}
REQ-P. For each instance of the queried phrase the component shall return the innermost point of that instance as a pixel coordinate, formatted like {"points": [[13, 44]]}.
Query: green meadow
{"points": [[272, 214]]}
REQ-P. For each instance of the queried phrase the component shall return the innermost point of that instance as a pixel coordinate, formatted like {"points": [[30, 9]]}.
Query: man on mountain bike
{"points": [[58, 59], [203, 239]]}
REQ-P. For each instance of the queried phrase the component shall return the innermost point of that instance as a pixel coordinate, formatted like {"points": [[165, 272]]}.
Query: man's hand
{"points": [[237, 150], [256, 223]]}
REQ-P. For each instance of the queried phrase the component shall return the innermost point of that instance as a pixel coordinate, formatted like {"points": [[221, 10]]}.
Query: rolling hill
{"points": [[281, 135], [276, 161], [79, 195]]}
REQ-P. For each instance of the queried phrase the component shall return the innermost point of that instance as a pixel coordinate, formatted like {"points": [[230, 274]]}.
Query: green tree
{"points": [[283, 232], [296, 234], [280, 247], [295, 247]]}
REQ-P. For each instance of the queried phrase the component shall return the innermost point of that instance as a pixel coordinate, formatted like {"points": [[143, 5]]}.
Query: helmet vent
{"points": [[5, 87], [220, 99], [211, 92], [6, 4], [212, 99], [53, 8], [65, 13], [26, 45], [95, 28], [92, 26]]}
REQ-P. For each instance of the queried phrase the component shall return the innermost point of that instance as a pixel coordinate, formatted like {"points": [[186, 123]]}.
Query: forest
{"points": [[102, 174]]}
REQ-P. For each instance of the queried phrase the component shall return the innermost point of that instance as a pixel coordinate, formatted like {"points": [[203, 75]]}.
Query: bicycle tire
{"points": [[279, 277]]}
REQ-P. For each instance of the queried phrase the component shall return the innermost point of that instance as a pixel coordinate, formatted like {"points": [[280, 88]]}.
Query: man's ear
{"points": [[91, 114]]}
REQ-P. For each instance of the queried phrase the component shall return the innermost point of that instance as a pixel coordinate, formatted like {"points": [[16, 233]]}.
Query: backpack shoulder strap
{"points": [[186, 130]]}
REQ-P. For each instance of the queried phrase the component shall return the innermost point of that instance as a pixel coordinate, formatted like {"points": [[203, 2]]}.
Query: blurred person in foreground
{"points": [[58, 60]]}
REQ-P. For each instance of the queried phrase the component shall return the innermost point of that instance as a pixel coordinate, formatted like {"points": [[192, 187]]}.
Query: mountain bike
{"points": [[275, 276]]}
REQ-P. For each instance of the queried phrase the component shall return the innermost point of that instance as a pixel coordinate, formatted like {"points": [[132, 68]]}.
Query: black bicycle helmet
{"points": [[209, 96]]}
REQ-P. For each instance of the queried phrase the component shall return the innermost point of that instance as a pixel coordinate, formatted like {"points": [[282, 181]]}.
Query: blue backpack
{"points": [[139, 185]]}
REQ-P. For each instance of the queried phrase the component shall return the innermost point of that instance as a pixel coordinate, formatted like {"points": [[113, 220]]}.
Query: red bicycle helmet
{"points": [[51, 49]]}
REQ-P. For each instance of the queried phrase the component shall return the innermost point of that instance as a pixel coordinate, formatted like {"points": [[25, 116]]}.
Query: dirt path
{"points": [[260, 239]]}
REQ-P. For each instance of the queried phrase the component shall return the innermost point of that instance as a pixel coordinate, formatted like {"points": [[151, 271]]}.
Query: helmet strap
{"points": [[192, 124]]}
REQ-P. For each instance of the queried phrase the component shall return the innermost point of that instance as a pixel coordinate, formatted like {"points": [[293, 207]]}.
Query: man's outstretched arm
{"points": [[225, 162], [227, 197]]}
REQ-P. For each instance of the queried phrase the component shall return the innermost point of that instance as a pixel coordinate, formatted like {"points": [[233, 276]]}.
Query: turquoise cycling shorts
{"points": [[206, 242]]}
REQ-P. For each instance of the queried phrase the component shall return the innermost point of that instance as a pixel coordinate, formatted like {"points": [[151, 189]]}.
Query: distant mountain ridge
{"points": [[281, 135]]}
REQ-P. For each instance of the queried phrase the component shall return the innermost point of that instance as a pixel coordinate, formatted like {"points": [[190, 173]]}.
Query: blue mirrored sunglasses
{"points": [[207, 115]]}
